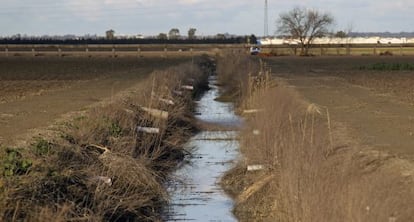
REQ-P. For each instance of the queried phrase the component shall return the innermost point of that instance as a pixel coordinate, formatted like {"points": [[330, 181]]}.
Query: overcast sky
{"points": [[209, 17]]}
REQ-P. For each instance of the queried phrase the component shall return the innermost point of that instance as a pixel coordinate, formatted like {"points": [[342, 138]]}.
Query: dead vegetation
{"points": [[104, 167], [310, 169]]}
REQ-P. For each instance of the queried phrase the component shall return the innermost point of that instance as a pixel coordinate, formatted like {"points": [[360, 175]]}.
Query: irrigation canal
{"points": [[196, 193]]}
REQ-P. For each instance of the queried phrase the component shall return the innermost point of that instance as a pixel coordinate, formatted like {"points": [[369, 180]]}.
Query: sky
{"points": [[209, 17]]}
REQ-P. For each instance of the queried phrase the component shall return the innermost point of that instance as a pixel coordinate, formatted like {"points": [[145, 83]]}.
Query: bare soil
{"points": [[34, 92], [376, 106]]}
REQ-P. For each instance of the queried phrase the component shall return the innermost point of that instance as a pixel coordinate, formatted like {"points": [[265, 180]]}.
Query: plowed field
{"points": [[377, 105], [34, 92]]}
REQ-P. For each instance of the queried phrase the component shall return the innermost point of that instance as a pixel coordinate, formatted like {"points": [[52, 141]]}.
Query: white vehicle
{"points": [[254, 50]]}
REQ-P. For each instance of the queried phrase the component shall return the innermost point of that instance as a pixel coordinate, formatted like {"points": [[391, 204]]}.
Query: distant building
{"points": [[337, 41]]}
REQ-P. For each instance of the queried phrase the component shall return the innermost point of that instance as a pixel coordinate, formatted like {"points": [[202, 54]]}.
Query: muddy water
{"points": [[196, 194]]}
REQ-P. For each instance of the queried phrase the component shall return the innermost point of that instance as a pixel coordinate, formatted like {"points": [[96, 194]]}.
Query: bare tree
{"points": [[305, 25], [191, 33], [174, 33]]}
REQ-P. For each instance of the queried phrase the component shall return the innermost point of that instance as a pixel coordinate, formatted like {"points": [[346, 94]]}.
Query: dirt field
{"points": [[376, 105], [36, 91]]}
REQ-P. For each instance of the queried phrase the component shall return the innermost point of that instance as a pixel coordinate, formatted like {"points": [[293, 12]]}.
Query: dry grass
{"points": [[313, 170], [234, 71], [102, 168]]}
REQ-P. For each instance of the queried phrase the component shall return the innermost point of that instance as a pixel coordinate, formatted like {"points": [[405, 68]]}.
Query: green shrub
{"points": [[14, 164], [42, 147]]}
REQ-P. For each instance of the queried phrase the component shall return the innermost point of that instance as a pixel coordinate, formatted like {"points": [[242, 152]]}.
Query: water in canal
{"points": [[196, 194]]}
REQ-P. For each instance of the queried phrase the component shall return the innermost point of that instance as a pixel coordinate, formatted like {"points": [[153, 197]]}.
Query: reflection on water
{"points": [[196, 194]]}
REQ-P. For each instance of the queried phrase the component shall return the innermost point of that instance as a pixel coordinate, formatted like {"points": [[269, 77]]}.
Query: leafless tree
{"points": [[305, 25]]}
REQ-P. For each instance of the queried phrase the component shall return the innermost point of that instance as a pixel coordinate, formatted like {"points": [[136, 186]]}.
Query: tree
{"points": [[162, 36], [220, 36], [341, 34], [191, 33], [174, 33], [305, 25], [252, 39], [110, 34]]}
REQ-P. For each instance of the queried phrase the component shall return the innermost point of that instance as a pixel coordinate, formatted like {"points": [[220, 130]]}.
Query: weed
{"points": [[115, 130], [42, 147], [68, 137], [15, 164]]}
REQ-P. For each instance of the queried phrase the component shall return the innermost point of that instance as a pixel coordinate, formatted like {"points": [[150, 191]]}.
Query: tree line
{"points": [[204, 40], [172, 37]]}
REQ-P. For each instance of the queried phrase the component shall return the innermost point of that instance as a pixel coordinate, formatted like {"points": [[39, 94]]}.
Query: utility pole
{"points": [[266, 20]]}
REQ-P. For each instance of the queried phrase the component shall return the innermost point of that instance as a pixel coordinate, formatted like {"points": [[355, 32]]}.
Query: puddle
{"points": [[196, 194]]}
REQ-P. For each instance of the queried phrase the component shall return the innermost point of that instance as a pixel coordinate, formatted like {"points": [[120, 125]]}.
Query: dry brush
{"points": [[104, 166]]}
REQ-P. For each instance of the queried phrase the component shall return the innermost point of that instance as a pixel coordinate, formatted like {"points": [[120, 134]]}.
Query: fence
{"points": [[115, 50], [336, 50]]}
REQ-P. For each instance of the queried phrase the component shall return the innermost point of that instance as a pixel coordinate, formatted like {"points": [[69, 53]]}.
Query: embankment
{"points": [[298, 165], [108, 163]]}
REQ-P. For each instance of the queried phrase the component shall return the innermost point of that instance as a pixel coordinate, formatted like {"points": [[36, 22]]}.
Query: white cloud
{"points": [[208, 16]]}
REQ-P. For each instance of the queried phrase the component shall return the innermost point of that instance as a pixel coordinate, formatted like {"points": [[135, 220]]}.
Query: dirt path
{"points": [[50, 101], [376, 119]]}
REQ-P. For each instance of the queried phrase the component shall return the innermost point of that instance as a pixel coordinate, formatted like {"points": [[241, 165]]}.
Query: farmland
{"points": [[342, 50], [377, 102], [71, 146], [332, 136], [36, 91]]}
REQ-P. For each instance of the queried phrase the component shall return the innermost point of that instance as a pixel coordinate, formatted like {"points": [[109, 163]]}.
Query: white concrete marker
{"points": [[156, 112], [255, 167], [250, 111], [179, 93], [148, 130], [167, 101], [106, 180], [187, 87]]}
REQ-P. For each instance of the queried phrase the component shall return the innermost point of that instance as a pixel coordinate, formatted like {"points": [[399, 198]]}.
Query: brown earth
{"points": [[376, 106], [34, 92]]}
